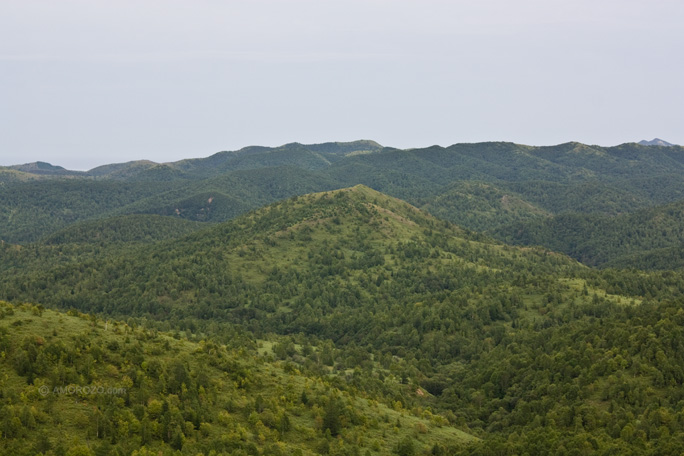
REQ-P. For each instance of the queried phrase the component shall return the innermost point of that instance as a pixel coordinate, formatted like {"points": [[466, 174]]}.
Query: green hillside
{"points": [[647, 238], [73, 384], [121, 170], [354, 231], [309, 157], [138, 228], [482, 207], [30, 210], [8, 176], [522, 347]]}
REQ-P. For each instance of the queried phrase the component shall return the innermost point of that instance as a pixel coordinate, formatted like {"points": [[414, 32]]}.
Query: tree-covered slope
{"points": [[121, 170], [137, 228], [647, 238], [355, 229], [309, 157], [9, 176], [33, 209], [74, 384], [481, 207]]}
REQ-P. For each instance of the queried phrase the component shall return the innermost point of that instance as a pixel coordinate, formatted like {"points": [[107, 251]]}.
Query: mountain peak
{"points": [[328, 214], [655, 142], [365, 194], [43, 168], [38, 165]]}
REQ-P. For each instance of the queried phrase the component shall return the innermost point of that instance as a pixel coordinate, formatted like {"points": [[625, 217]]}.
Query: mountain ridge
{"points": [[328, 148]]}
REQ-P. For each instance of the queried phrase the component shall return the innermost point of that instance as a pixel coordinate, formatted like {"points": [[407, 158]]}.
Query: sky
{"points": [[89, 82]]}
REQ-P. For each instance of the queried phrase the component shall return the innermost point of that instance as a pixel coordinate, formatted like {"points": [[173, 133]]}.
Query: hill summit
{"points": [[655, 142], [41, 168]]}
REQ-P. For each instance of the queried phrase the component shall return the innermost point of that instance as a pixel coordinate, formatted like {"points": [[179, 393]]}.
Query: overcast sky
{"points": [[88, 82]]}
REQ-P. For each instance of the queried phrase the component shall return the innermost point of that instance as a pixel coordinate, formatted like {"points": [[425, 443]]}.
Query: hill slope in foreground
{"points": [[73, 384]]}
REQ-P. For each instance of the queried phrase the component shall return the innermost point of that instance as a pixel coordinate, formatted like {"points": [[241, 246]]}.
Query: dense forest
{"points": [[515, 300]]}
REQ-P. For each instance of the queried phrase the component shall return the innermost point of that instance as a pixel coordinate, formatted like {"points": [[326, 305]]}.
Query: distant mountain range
{"points": [[311, 156], [656, 142], [516, 193]]}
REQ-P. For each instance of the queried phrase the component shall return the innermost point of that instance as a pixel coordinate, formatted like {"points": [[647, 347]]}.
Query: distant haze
{"points": [[83, 83]]}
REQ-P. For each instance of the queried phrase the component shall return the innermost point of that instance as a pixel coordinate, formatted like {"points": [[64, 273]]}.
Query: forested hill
{"points": [[484, 186], [524, 348], [355, 231]]}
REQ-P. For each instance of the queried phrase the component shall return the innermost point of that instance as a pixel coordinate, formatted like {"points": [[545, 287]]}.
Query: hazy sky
{"points": [[88, 82]]}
